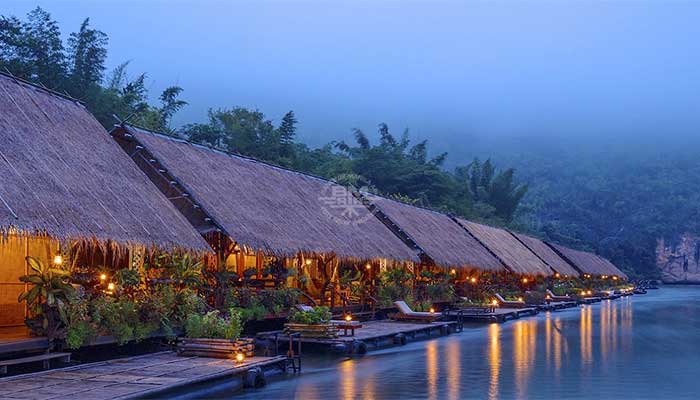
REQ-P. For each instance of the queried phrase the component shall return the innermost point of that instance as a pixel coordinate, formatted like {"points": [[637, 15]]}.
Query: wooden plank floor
{"points": [[372, 330], [125, 378], [16, 339]]}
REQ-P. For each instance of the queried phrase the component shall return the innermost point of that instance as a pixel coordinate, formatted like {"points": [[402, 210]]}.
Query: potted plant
{"points": [[214, 335], [312, 323]]}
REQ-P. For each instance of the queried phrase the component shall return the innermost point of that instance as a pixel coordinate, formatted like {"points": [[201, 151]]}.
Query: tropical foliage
{"points": [[317, 316]]}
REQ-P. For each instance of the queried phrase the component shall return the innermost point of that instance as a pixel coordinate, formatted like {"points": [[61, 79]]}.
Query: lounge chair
{"points": [[509, 304], [406, 314], [554, 297]]}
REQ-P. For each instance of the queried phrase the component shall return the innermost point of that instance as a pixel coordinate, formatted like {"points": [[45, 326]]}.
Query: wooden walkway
{"points": [[374, 333], [128, 378]]}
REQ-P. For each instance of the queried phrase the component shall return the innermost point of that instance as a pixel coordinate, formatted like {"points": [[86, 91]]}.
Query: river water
{"points": [[639, 347]]}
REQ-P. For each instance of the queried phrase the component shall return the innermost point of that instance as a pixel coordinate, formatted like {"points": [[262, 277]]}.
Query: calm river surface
{"points": [[639, 347]]}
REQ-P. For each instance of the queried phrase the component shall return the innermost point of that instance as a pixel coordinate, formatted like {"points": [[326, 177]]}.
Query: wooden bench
{"points": [[44, 358]]}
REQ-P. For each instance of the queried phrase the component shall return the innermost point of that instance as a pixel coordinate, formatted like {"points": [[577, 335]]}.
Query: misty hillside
{"points": [[615, 196]]}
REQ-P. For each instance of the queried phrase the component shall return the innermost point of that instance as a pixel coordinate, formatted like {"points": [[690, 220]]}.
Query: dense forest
{"points": [[613, 204]]}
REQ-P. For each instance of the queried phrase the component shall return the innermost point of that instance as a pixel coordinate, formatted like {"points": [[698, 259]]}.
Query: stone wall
{"points": [[678, 260]]}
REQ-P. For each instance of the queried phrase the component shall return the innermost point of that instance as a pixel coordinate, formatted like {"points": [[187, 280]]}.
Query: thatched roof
{"points": [[587, 263], [62, 175], [508, 249], [273, 209], [548, 255], [445, 242]]}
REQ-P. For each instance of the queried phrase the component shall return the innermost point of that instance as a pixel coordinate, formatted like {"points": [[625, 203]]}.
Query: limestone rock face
{"points": [[678, 261]]}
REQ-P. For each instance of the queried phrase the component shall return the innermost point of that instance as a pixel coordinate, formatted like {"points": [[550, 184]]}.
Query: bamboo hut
{"points": [[546, 254], [514, 255], [255, 214], [437, 237], [64, 184], [588, 264]]}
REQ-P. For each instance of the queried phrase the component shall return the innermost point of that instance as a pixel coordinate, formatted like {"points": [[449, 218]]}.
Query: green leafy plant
{"points": [[317, 316], [79, 328], [50, 288], [213, 326], [395, 284], [128, 277]]}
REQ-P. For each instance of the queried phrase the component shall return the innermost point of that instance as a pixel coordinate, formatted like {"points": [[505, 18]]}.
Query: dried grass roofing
{"points": [[274, 209], [548, 255], [514, 254], [438, 235], [588, 263], [62, 175]]}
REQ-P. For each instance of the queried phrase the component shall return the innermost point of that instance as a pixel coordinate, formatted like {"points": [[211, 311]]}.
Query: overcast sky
{"points": [[456, 72]]}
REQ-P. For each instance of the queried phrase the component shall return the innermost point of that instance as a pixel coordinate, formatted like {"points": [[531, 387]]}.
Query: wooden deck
{"points": [[497, 315], [16, 340], [129, 378], [373, 333]]}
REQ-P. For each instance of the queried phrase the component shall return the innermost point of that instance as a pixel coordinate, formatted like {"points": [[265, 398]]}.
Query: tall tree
{"points": [[288, 128], [87, 55], [492, 192], [33, 49]]}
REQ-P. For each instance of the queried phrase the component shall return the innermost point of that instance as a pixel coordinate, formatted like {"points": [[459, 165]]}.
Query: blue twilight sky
{"points": [[457, 72]]}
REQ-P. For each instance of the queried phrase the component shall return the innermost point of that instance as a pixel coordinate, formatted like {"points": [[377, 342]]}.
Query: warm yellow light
{"points": [[614, 278], [548, 297], [308, 262], [524, 280], [103, 277], [520, 299], [348, 317], [453, 271], [432, 310], [473, 280], [583, 293], [368, 266], [589, 292], [110, 286], [240, 357], [557, 275], [58, 260], [494, 302]]}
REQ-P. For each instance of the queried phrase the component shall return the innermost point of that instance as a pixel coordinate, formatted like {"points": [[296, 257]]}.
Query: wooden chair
{"points": [[406, 314], [509, 304], [554, 297]]}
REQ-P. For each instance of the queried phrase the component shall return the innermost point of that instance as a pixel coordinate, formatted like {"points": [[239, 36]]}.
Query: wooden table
{"points": [[345, 326]]}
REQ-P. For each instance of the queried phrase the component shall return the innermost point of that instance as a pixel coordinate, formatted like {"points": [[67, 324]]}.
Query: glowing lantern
{"points": [[103, 277], [58, 260], [520, 299], [453, 271], [432, 310], [494, 302], [557, 275], [368, 266], [583, 293], [240, 357], [110, 286], [589, 292], [524, 280], [473, 280], [348, 317], [308, 262], [614, 278]]}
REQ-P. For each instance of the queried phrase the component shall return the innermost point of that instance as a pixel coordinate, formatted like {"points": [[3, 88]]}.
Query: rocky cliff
{"points": [[678, 260]]}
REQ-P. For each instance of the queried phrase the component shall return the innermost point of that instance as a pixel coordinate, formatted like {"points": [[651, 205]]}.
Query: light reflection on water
{"points": [[639, 347]]}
